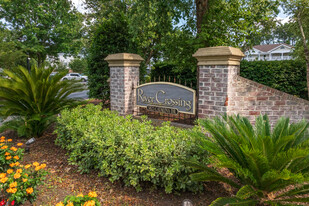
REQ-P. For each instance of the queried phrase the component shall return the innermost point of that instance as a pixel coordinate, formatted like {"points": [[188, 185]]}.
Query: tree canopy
{"points": [[43, 28]]}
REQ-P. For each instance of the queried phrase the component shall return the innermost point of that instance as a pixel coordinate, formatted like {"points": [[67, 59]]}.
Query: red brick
{"points": [[254, 112]]}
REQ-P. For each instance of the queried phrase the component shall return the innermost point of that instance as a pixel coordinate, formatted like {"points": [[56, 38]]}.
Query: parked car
{"points": [[75, 76]]}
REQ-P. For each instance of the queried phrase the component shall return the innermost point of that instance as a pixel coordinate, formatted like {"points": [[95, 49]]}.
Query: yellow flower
{"points": [[2, 175], [26, 175], [29, 190], [16, 157], [59, 204], [8, 157], [13, 149], [11, 190], [4, 147], [19, 144], [43, 166], [27, 166], [1, 144], [17, 163], [7, 153], [2, 140], [80, 195], [25, 180], [70, 204], [19, 171], [9, 171], [3, 180], [36, 164], [12, 164], [89, 203], [13, 184], [17, 175], [10, 140], [92, 194]]}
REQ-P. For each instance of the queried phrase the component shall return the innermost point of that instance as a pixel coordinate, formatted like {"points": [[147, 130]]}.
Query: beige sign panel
{"points": [[166, 97]]}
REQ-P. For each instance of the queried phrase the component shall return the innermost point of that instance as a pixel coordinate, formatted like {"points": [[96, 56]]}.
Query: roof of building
{"points": [[268, 47]]}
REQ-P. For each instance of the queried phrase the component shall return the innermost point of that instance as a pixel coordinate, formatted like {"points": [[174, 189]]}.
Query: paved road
{"points": [[83, 95]]}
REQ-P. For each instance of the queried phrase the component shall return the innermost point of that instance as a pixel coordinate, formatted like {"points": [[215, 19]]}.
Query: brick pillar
{"points": [[217, 67], [124, 77]]}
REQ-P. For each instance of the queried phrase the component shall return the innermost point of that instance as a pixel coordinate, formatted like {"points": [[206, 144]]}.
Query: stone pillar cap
{"points": [[221, 55], [124, 59]]}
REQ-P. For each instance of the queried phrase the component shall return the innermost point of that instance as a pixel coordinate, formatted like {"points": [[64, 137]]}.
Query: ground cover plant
{"points": [[133, 151], [271, 167], [83, 200], [18, 183], [33, 98]]}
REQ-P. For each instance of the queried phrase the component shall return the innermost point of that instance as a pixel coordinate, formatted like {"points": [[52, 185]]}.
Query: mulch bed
{"points": [[64, 179]]}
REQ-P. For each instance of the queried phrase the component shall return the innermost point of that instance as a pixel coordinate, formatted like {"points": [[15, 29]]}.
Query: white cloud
{"points": [[283, 20]]}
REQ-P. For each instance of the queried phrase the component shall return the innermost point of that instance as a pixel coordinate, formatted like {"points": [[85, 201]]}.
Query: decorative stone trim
{"points": [[221, 55], [124, 60]]}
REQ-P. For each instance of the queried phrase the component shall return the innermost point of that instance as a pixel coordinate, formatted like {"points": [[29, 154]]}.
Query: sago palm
{"points": [[270, 167], [34, 97]]}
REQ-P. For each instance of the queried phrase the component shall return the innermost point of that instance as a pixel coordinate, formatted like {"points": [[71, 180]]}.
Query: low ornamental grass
{"points": [[122, 148], [271, 166], [18, 183]]}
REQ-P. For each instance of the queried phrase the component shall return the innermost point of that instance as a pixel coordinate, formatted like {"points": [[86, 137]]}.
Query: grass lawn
{"points": [[64, 179]]}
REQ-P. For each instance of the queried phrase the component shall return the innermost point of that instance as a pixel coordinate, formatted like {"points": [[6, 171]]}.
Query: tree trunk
{"points": [[306, 49], [201, 9]]}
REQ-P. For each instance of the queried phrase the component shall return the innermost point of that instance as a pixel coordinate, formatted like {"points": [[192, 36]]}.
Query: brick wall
{"points": [[123, 80], [249, 98]]}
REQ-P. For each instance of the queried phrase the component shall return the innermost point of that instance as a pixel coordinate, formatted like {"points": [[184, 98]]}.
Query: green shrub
{"points": [[123, 148], [288, 76], [33, 98], [271, 167]]}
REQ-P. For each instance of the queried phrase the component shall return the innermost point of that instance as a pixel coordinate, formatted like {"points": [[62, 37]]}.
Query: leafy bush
{"points": [[288, 76], [87, 200], [271, 167], [33, 98], [18, 183], [123, 148]]}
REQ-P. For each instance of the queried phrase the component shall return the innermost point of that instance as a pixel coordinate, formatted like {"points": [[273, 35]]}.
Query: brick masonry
{"points": [[123, 80], [222, 90]]}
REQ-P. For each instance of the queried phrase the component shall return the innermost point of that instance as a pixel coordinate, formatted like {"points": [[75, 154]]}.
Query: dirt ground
{"points": [[64, 179]]}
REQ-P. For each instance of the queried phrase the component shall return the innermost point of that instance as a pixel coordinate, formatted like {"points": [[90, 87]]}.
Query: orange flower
{"points": [[26, 175], [11, 190], [59, 204], [13, 184], [89, 203], [16, 157], [17, 175], [12, 164], [2, 137], [36, 164], [29, 190], [70, 204], [9, 171], [27, 166], [10, 140], [13, 149], [19, 144], [19, 171], [2, 175], [4, 147], [17, 163], [43, 166], [3, 180], [80, 195], [7, 153], [8, 157], [92, 194], [25, 180], [2, 140]]}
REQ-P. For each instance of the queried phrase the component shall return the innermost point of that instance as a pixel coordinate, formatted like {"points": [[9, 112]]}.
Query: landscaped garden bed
{"points": [[64, 179]]}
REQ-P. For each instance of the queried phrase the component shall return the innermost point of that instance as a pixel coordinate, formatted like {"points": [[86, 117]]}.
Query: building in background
{"points": [[269, 52]]}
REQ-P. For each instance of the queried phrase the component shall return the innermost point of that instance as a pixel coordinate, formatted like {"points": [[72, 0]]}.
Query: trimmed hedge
{"points": [[288, 76], [123, 148]]}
